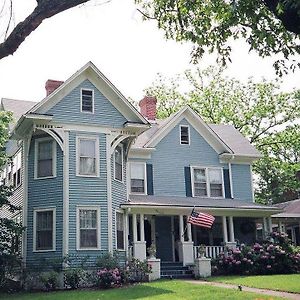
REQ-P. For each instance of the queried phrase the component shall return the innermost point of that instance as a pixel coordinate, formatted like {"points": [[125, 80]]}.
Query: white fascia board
{"points": [[140, 153], [90, 72], [198, 124], [238, 158]]}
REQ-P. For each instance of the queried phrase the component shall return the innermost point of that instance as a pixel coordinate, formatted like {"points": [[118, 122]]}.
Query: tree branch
{"points": [[45, 9]]}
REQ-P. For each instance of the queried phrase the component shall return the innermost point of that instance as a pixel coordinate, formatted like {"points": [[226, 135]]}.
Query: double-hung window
{"points": [[45, 158], [207, 182], [87, 156], [17, 169], [44, 230], [118, 158], [87, 100], [137, 178], [88, 224], [120, 230]]}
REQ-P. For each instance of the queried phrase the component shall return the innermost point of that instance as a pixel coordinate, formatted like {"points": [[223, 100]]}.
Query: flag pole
{"points": [[185, 228]]}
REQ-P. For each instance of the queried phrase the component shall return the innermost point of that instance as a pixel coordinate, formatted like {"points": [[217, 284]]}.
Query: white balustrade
{"points": [[209, 251]]}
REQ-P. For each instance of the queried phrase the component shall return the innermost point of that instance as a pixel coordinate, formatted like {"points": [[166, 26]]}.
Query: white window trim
{"points": [[93, 101], [35, 211], [145, 177], [189, 134], [124, 224], [207, 180], [97, 167], [114, 158], [88, 207], [36, 144]]}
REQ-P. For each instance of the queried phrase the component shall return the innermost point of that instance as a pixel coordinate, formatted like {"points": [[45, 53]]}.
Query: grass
{"points": [[287, 282], [159, 290]]}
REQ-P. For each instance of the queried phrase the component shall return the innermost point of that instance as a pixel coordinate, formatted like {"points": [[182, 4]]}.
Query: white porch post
{"points": [[280, 226], [126, 232], [265, 230], [139, 247], [153, 239], [231, 229], [225, 233], [270, 224], [186, 250]]}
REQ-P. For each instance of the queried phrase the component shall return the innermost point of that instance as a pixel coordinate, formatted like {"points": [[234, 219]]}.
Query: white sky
{"points": [[127, 50]]}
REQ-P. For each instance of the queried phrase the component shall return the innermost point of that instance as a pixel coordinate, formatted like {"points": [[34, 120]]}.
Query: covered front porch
{"points": [[165, 227]]}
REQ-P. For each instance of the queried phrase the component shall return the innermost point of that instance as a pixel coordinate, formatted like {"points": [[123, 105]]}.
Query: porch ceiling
{"points": [[183, 205]]}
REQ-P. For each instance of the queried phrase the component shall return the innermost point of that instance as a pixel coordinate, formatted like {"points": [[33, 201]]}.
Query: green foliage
{"points": [[49, 280], [73, 277], [263, 114], [108, 261], [212, 25], [270, 257]]}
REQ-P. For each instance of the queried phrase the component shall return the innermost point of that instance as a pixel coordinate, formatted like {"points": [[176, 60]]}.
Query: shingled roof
{"points": [[290, 209]]}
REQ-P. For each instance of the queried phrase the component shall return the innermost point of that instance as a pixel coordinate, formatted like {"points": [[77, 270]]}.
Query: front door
{"points": [[164, 243]]}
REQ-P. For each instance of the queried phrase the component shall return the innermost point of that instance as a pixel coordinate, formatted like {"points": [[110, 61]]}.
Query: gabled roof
{"points": [[232, 141], [290, 209], [17, 107], [91, 72]]}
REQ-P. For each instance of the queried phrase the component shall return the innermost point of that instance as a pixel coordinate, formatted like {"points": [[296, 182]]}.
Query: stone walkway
{"points": [[248, 289]]}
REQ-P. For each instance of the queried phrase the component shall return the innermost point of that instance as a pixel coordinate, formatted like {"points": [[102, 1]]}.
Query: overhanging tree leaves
{"points": [[269, 27], [10, 231], [266, 116]]}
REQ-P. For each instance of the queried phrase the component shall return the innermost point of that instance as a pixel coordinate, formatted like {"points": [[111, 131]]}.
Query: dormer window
{"points": [[87, 101], [184, 135]]}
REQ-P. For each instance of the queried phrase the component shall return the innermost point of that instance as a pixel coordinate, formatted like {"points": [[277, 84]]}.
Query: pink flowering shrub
{"points": [[276, 256], [107, 278]]}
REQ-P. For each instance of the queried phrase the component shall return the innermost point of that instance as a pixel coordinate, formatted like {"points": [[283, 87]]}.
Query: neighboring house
{"points": [[94, 175], [289, 220]]}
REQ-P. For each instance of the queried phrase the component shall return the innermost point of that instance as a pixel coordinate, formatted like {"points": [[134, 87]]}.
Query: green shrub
{"points": [[108, 278], [73, 277], [136, 271], [49, 280], [108, 261]]}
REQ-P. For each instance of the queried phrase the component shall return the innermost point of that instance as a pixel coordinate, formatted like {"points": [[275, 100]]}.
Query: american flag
{"points": [[201, 219]]}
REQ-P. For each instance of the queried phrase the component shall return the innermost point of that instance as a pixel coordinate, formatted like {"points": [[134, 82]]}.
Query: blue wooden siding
{"points": [[241, 181], [44, 193], [68, 109], [85, 191], [170, 158]]}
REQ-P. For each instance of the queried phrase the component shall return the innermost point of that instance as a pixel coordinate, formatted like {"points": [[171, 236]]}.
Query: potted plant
{"points": [[201, 251], [152, 251]]}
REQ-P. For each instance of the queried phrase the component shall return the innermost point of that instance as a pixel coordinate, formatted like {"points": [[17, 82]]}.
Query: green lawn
{"points": [[159, 290], [287, 282]]}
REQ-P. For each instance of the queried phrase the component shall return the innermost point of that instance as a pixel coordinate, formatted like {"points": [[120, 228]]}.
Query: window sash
{"points": [[184, 135], [120, 230], [45, 159], [119, 163], [137, 178]]}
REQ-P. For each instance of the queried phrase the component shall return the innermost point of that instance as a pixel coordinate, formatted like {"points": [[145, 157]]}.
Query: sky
{"points": [[129, 51]]}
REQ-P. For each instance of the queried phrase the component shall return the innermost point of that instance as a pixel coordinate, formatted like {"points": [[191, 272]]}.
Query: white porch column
{"points": [[181, 229], [265, 227], [280, 226], [139, 247], [270, 224], [186, 250], [142, 229], [153, 239], [189, 231], [134, 228], [225, 233], [231, 229], [125, 222]]}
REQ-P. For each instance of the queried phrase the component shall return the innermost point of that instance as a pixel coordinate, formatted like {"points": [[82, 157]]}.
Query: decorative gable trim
{"points": [[197, 123], [91, 72]]}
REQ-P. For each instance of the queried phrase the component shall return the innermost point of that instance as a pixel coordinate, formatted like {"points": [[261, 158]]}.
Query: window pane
{"points": [[199, 175], [216, 190], [88, 218], [87, 166], [88, 238], [118, 163], [44, 240], [87, 148], [137, 185], [215, 176], [200, 189], [45, 168], [118, 155], [44, 220], [120, 230], [45, 150], [137, 171]]}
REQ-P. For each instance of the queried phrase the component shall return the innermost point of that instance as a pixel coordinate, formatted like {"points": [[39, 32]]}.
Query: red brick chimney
{"points": [[148, 107], [52, 85]]}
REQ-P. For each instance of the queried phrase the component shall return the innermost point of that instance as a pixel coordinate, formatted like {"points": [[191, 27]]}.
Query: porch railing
{"points": [[210, 251]]}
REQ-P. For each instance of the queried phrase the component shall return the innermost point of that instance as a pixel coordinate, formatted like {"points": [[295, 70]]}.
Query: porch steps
{"points": [[175, 270]]}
